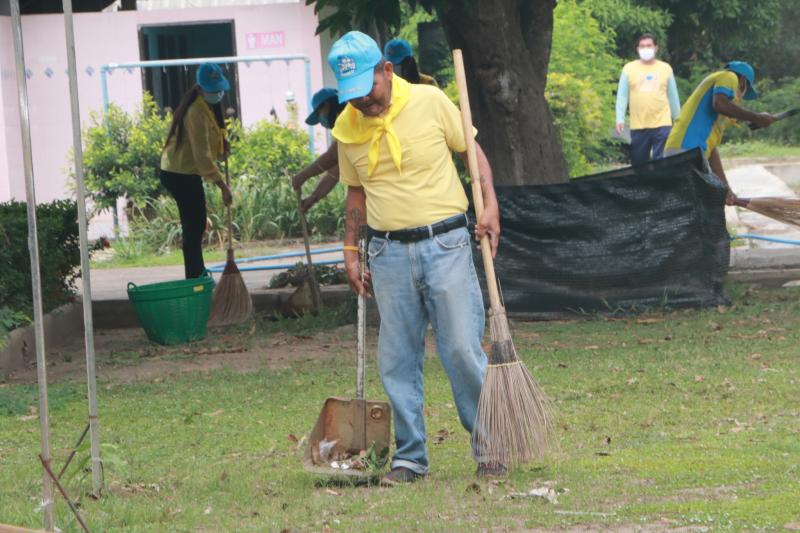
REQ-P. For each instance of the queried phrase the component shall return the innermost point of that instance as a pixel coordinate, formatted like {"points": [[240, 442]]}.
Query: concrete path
{"points": [[112, 283], [758, 180]]}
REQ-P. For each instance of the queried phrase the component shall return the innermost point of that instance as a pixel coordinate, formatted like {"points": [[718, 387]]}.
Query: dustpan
{"points": [[350, 428]]}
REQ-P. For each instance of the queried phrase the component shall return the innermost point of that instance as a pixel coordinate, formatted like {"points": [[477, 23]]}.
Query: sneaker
{"points": [[400, 475], [491, 470]]}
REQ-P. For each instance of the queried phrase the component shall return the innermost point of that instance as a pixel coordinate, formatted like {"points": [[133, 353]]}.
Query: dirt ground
{"points": [[126, 355]]}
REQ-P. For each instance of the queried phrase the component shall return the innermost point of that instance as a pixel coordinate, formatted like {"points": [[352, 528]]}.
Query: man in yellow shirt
{"points": [[395, 143], [707, 113], [649, 86]]}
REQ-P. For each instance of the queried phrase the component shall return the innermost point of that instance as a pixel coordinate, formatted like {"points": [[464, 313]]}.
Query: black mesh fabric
{"points": [[617, 242]]}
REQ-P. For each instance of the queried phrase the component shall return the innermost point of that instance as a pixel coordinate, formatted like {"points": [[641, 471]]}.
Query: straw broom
{"points": [[513, 422], [231, 302], [786, 210]]}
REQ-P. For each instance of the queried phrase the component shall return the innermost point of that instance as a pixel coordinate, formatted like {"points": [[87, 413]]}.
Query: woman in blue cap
{"points": [[326, 109], [195, 142], [399, 52]]}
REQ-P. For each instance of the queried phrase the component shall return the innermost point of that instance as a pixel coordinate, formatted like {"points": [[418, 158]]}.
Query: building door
{"points": [[187, 41]]}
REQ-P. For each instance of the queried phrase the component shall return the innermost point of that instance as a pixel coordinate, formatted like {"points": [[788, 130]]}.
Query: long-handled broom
{"points": [[514, 415], [786, 210], [231, 302]]}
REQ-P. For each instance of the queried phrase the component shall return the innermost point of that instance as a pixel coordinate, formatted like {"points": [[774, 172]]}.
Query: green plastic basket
{"points": [[173, 312]]}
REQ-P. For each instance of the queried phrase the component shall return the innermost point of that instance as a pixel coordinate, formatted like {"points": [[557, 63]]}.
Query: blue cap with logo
{"points": [[353, 58], [744, 69], [211, 79], [397, 50], [319, 98]]}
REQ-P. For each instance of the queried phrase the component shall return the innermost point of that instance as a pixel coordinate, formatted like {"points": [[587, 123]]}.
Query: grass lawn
{"points": [[757, 149], [680, 419]]}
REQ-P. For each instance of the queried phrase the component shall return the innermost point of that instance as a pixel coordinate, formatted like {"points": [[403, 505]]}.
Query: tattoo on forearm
{"points": [[352, 224]]}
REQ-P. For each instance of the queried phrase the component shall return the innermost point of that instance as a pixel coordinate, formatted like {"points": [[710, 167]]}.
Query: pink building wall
{"points": [[103, 38]]}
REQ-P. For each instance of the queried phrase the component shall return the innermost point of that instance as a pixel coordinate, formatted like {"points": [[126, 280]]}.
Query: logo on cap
{"points": [[347, 66]]}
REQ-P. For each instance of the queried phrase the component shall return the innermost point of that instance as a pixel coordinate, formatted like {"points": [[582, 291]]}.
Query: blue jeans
{"points": [[430, 281], [648, 140]]}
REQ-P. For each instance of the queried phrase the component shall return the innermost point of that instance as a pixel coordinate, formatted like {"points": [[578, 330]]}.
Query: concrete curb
{"points": [[60, 326]]}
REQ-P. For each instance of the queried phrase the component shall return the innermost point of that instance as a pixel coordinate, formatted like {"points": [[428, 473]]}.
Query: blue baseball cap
{"points": [[397, 50], [319, 98], [211, 79], [353, 58], [744, 69]]}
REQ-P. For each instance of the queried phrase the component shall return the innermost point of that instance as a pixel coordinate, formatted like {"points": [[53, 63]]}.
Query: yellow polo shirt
{"points": [[427, 189], [201, 144]]}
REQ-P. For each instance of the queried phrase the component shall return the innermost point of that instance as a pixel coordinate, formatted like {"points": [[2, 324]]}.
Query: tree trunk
{"points": [[506, 47]]}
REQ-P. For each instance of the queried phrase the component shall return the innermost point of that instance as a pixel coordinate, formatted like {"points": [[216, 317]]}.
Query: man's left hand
{"points": [[489, 224]]}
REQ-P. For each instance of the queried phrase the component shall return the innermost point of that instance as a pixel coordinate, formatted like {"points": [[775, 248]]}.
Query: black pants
{"points": [[188, 192], [646, 140]]}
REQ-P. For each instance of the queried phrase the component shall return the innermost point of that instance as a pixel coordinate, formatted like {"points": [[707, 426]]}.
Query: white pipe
{"points": [[33, 249], [91, 378]]}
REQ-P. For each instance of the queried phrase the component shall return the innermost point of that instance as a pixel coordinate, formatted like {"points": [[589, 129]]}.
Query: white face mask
{"points": [[213, 98], [647, 54]]}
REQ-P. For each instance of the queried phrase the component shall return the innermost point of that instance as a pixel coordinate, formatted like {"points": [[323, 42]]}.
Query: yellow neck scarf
{"points": [[353, 127]]}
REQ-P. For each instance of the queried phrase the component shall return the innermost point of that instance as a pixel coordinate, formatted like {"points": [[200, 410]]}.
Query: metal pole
{"points": [[33, 249], [104, 84], [308, 105], [88, 326]]}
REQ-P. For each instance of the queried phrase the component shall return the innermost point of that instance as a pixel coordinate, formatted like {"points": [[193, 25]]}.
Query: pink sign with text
{"points": [[266, 39]]}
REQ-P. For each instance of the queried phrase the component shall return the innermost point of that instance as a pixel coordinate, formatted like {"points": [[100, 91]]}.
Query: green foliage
{"points": [[59, 255], [122, 157], [774, 98], [628, 20], [263, 157], [580, 84], [10, 319]]}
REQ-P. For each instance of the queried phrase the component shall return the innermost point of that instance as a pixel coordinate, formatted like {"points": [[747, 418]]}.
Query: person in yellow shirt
{"points": [[708, 112], [648, 85], [326, 107], [196, 140], [399, 52], [396, 141]]}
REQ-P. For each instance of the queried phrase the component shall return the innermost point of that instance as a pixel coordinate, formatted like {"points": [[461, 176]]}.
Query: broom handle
{"points": [[230, 216], [472, 164], [315, 294]]}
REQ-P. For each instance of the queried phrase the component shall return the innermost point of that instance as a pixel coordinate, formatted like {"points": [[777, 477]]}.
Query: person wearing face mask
{"points": [[396, 141], [708, 112], [649, 86], [326, 108], [399, 52], [196, 140]]}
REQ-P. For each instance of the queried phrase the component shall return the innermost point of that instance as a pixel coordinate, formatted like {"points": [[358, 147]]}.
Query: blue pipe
{"points": [[287, 254], [308, 106], [104, 83], [763, 238], [286, 266]]}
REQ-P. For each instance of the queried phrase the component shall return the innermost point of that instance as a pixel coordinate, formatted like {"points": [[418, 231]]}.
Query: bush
{"points": [[59, 251], [580, 86], [774, 97], [124, 157]]}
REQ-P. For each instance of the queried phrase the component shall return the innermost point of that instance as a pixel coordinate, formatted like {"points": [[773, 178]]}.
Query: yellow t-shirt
{"points": [[427, 189], [201, 144], [648, 84]]}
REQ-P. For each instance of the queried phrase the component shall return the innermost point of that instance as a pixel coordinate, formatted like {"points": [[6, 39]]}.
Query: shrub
{"points": [[59, 253], [122, 157], [583, 74], [774, 97]]}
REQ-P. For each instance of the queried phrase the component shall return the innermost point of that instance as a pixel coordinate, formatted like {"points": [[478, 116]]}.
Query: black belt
{"points": [[423, 232]]}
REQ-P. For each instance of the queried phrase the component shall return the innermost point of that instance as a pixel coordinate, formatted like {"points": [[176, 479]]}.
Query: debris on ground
{"points": [[547, 493]]}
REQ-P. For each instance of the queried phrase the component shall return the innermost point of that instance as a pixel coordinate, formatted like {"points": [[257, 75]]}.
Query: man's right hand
{"points": [[227, 197], [352, 267], [297, 181], [763, 120], [620, 128]]}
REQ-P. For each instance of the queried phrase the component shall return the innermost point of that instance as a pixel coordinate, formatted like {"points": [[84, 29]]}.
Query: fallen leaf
{"points": [[208, 510], [562, 365], [223, 476], [631, 381], [332, 492], [25, 418], [474, 488], [592, 347], [602, 454], [649, 320], [755, 356], [699, 378], [541, 492], [292, 438], [721, 309], [607, 441], [441, 435], [216, 413]]}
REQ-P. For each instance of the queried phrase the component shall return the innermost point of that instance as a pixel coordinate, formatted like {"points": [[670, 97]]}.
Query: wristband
{"points": [[350, 248]]}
